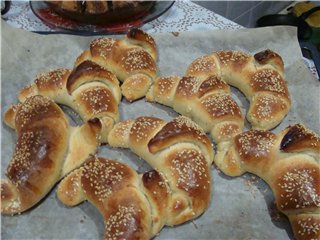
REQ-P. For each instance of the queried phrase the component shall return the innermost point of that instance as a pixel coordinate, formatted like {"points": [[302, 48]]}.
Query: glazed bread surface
{"points": [[289, 163], [259, 77]]}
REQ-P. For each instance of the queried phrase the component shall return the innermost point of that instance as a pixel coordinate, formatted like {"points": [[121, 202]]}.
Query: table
{"points": [[198, 18], [166, 25]]}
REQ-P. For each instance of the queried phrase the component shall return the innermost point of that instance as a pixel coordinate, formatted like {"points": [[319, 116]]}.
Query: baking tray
{"points": [[241, 207]]}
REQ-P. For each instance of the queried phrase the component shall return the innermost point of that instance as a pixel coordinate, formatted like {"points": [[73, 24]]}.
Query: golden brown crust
{"points": [[222, 106], [265, 110], [35, 166], [212, 83], [256, 147], [191, 174], [187, 87], [36, 109], [158, 194], [10, 200], [207, 101], [94, 100], [135, 87], [181, 154], [296, 185], [114, 189], [289, 163], [136, 61], [298, 139], [142, 38], [259, 77], [90, 90], [270, 57], [306, 226], [163, 90], [181, 129], [203, 67], [235, 60], [69, 189], [100, 179], [89, 71], [127, 216], [269, 80], [143, 129], [127, 57], [52, 80], [122, 59], [49, 84]]}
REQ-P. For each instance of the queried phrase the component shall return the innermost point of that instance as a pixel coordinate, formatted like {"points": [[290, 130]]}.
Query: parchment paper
{"points": [[241, 208]]}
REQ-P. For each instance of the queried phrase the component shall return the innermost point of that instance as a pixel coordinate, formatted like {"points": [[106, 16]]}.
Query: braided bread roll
{"points": [[138, 206], [116, 191], [132, 60], [258, 77], [180, 151], [289, 163], [207, 101], [90, 90], [47, 149]]}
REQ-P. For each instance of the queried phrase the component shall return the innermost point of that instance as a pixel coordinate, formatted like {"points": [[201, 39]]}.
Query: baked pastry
{"points": [[258, 77], [42, 155], [207, 101], [116, 190], [138, 206], [173, 149], [289, 163], [132, 59], [101, 12], [89, 89]]}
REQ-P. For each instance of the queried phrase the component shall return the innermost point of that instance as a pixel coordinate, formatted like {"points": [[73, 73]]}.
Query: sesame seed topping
{"points": [[99, 99], [255, 142], [165, 84], [123, 218], [188, 86], [265, 107], [31, 108], [202, 64], [142, 126], [102, 176], [137, 59], [220, 104], [54, 77], [309, 226], [299, 188], [232, 56], [23, 157], [191, 168], [182, 121], [268, 80], [103, 45]]}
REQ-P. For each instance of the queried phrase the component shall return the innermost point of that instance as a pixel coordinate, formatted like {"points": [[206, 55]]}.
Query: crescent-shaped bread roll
{"points": [[260, 78], [207, 101], [132, 59], [90, 90], [289, 163], [47, 148], [138, 206]]}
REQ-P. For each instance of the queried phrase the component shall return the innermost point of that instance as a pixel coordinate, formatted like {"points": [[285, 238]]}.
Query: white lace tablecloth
{"points": [[184, 15]]}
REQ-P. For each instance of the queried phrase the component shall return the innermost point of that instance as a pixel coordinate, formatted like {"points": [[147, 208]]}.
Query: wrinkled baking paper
{"points": [[241, 208]]}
